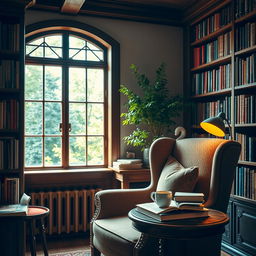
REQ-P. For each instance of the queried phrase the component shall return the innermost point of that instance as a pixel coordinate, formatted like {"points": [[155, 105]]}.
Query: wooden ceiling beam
{"points": [[72, 6]]}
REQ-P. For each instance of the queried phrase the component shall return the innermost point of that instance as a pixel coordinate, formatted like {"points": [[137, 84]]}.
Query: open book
{"points": [[183, 210], [20, 209]]}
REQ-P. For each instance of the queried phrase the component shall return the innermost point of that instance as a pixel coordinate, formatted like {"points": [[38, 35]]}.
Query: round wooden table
{"points": [[188, 237]]}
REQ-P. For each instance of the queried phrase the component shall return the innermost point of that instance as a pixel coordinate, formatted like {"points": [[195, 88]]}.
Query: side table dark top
{"points": [[180, 229]]}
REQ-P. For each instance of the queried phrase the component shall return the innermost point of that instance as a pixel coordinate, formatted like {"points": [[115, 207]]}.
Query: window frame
{"points": [[111, 67]]}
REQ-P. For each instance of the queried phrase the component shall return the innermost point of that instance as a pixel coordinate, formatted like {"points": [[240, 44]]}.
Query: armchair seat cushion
{"points": [[115, 236]]}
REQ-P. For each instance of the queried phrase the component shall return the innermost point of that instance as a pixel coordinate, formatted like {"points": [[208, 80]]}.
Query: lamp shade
{"points": [[215, 125]]}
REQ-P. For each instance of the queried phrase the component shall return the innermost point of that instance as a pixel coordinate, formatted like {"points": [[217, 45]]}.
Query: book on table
{"points": [[189, 197], [123, 164], [176, 210], [20, 209]]}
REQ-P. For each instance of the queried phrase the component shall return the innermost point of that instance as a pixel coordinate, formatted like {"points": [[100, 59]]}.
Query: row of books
{"points": [[9, 154], [184, 206], [211, 23], [245, 109], [245, 36], [8, 74], [209, 109], [9, 190], [127, 164], [245, 182], [245, 70], [9, 36], [213, 50], [9, 112], [212, 80], [248, 151], [243, 7]]}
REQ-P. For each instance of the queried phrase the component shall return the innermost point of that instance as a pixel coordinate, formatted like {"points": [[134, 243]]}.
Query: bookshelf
{"points": [[11, 120], [222, 77]]}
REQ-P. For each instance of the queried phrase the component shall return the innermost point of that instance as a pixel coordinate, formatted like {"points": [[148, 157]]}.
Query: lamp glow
{"points": [[215, 125]]}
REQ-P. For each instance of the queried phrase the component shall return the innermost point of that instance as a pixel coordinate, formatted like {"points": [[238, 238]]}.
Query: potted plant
{"points": [[152, 112]]}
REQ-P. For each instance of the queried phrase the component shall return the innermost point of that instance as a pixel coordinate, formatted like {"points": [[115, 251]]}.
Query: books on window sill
{"points": [[20, 209], [175, 211], [127, 164]]}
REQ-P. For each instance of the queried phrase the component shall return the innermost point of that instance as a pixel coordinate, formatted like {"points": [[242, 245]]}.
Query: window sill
{"points": [[75, 178], [62, 171]]}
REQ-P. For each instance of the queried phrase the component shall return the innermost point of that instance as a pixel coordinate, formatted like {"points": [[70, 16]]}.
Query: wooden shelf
{"points": [[211, 11], [247, 163], [244, 199], [212, 94], [212, 35], [246, 17], [245, 125], [246, 51], [214, 63], [245, 87]]}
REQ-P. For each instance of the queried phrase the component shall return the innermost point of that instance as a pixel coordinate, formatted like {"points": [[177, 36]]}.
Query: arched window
{"points": [[66, 100]]}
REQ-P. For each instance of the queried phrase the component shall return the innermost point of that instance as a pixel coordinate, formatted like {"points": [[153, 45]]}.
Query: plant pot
{"points": [[146, 158]]}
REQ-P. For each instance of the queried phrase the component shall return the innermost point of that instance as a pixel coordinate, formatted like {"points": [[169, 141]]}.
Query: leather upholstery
{"points": [[111, 230]]}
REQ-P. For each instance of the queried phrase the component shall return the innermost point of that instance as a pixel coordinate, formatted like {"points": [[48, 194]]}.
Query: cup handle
{"points": [[153, 196]]}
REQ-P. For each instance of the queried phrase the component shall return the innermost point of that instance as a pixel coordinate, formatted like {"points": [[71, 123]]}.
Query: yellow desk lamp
{"points": [[215, 125]]}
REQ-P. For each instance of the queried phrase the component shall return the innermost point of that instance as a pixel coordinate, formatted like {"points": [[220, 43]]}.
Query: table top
{"points": [[35, 211], [183, 229]]}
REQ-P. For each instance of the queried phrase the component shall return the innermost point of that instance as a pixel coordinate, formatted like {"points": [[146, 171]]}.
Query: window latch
{"points": [[69, 127], [60, 127]]}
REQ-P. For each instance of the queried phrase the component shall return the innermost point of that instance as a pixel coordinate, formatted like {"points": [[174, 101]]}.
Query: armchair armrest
{"points": [[117, 202]]}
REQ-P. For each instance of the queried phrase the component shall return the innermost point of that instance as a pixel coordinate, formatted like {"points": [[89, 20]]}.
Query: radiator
{"points": [[70, 210]]}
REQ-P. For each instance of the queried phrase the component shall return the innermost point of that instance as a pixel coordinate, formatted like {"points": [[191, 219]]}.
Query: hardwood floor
{"points": [[61, 244], [68, 244]]}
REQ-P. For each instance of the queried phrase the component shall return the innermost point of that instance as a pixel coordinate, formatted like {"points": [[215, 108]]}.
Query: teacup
{"points": [[162, 198]]}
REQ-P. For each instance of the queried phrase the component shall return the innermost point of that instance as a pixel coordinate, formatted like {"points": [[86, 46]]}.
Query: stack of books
{"points": [[127, 164], [20, 209], [184, 206]]}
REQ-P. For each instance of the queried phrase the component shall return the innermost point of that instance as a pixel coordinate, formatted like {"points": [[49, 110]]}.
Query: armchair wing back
{"points": [[111, 230]]}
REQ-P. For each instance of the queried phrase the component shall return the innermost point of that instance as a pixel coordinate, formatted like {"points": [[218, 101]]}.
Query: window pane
{"points": [[37, 41], [34, 82], [52, 151], [53, 83], [95, 119], [95, 150], [92, 46], [77, 85], [33, 152], [38, 52], [52, 118], [33, 118], [75, 42], [77, 54], [95, 85], [94, 55], [77, 151], [53, 52], [55, 40], [77, 118]]}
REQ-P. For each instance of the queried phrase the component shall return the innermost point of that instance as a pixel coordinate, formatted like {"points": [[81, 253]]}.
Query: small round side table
{"points": [[195, 236], [36, 214]]}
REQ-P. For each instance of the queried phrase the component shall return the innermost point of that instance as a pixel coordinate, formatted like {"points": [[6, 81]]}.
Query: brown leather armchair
{"points": [[112, 233]]}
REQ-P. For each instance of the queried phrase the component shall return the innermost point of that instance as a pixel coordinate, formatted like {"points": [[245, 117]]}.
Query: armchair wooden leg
{"points": [[95, 252]]}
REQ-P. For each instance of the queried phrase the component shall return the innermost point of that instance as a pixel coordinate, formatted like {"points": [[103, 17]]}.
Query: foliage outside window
{"points": [[65, 121]]}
